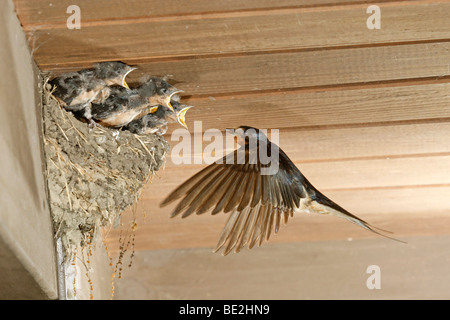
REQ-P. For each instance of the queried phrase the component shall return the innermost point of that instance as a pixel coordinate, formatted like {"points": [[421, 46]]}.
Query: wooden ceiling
{"points": [[365, 114]]}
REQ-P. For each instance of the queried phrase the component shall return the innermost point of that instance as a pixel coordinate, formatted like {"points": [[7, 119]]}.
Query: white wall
{"points": [[25, 224]]}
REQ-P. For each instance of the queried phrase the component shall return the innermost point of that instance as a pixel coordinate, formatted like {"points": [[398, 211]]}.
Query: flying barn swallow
{"points": [[125, 105], [257, 201], [156, 121], [76, 90]]}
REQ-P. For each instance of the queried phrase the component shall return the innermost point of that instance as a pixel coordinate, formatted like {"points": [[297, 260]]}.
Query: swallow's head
{"points": [[146, 124], [154, 124], [245, 134], [157, 92], [113, 72], [166, 92]]}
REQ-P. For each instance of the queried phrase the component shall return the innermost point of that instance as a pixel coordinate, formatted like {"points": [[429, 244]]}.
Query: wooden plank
{"points": [[45, 13], [347, 106], [335, 175], [292, 29], [378, 173], [405, 211], [315, 145], [303, 271], [298, 69], [367, 142]]}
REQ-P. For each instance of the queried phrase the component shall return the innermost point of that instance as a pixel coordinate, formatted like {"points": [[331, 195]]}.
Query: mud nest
{"points": [[93, 174]]}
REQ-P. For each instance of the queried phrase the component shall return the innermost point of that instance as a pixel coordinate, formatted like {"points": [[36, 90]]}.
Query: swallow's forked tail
{"points": [[326, 206], [364, 224]]}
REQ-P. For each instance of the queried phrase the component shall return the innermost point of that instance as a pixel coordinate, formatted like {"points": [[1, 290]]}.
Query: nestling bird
{"points": [[163, 93], [76, 90], [156, 121], [258, 190], [124, 105]]}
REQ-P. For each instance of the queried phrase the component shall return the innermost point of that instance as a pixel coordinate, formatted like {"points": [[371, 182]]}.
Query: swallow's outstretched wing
{"points": [[258, 202]]}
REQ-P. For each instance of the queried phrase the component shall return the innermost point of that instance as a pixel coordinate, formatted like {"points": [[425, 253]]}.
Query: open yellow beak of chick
{"points": [[181, 116], [124, 83], [169, 97]]}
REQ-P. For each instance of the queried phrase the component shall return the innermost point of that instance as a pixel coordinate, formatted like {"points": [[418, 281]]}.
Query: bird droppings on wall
{"points": [[93, 173]]}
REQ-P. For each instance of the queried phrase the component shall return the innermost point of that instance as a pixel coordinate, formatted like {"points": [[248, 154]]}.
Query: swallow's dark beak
{"points": [[235, 131]]}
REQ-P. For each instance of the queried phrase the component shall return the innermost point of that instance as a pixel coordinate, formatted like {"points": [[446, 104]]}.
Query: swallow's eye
{"points": [[163, 90]]}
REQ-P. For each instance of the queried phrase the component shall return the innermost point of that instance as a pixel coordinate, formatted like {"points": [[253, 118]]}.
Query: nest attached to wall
{"points": [[93, 174]]}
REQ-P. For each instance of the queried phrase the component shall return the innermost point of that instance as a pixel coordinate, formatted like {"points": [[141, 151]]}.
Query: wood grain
{"points": [[319, 107], [45, 14], [223, 35], [364, 113], [398, 210], [326, 144], [252, 73], [335, 175], [304, 271]]}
